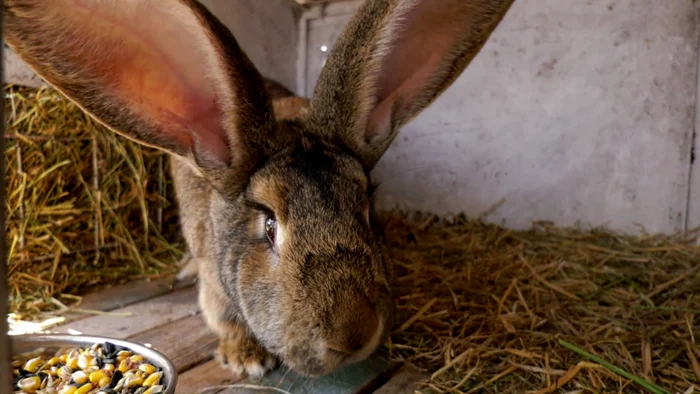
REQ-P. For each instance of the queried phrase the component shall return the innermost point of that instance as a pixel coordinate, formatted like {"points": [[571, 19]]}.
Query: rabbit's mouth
{"points": [[317, 358], [366, 350]]}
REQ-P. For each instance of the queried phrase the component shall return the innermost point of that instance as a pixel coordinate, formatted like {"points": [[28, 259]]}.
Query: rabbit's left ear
{"points": [[393, 60], [165, 73]]}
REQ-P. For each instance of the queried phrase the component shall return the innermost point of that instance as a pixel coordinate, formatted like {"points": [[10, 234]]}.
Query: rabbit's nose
{"points": [[356, 326]]}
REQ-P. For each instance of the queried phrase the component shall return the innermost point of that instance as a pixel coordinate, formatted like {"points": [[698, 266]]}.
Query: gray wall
{"points": [[576, 110]]}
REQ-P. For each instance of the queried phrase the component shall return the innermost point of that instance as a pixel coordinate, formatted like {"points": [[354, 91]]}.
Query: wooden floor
{"points": [[169, 320]]}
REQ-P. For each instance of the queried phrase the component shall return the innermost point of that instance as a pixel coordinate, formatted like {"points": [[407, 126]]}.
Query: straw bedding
{"points": [[85, 208], [485, 308], [480, 308]]}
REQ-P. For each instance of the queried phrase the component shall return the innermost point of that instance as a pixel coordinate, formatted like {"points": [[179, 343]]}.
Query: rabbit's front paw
{"points": [[187, 268], [241, 353]]}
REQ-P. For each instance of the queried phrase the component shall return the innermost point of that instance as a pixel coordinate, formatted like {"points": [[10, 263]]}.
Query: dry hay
{"points": [[484, 308], [69, 230]]}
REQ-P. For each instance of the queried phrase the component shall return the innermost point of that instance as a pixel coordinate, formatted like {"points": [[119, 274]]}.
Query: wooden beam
{"points": [[208, 374], [5, 374], [130, 293]]}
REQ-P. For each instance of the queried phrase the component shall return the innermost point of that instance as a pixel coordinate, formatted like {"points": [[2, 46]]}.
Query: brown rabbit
{"points": [[274, 191]]}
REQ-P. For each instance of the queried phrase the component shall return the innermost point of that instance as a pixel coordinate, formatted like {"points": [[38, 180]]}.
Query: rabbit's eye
{"points": [[271, 229]]}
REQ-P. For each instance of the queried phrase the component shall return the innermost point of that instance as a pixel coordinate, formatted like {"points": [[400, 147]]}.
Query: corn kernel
{"points": [[30, 385], [147, 368], [108, 367], [63, 358], [133, 381], [53, 361], [96, 376], [154, 390], [136, 358], [104, 382], [84, 389], [153, 380], [68, 389], [72, 362], [33, 364], [124, 366], [123, 355], [53, 371], [84, 361], [80, 377]]}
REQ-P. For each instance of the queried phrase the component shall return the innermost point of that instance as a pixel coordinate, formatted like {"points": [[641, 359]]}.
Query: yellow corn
{"points": [[153, 380], [108, 367], [84, 361], [30, 385], [53, 371], [84, 389], [147, 368], [104, 381], [53, 361], [154, 390], [63, 358], [69, 389], [33, 364], [80, 377], [123, 355], [124, 366], [133, 381], [72, 362], [136, 358], [96, 376]]}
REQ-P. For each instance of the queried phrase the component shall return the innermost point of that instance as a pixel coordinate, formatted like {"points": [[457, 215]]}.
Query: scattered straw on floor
{"points": [[84, 206], [489, 310]]}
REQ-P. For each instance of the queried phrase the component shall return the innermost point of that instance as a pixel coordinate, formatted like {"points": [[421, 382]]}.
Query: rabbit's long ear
{"points": [[165, 73], [392, 61]]}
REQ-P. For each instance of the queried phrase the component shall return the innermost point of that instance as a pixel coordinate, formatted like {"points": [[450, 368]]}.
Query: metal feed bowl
{"points": [[53, 342]]}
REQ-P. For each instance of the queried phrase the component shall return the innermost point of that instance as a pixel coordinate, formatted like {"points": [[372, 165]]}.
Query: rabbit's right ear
{"points": [[394, 59], [165, 73]]}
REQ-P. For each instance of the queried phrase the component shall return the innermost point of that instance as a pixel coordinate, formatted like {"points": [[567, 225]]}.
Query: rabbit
{"points": [[274, 190]]}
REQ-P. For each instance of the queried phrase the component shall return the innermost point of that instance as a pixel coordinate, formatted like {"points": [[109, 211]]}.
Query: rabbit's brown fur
{"points": [[274, 190]]}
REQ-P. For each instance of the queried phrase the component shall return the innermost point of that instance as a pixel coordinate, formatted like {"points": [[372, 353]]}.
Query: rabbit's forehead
{"points": [[326, 180]]}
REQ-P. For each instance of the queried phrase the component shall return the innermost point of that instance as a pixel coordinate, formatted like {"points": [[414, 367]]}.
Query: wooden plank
{"points": [[129, 293], [185, 342], [208, 374], [119, 296], [136, 318], [403, 381]]}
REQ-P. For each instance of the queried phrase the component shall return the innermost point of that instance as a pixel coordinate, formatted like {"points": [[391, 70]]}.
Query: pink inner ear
{"points": [[159, 62], [381, 117], [421, 40]]}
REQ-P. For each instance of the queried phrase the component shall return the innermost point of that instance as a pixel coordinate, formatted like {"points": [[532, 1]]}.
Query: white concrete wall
{"points": [[266, 30], [576, 110]]}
